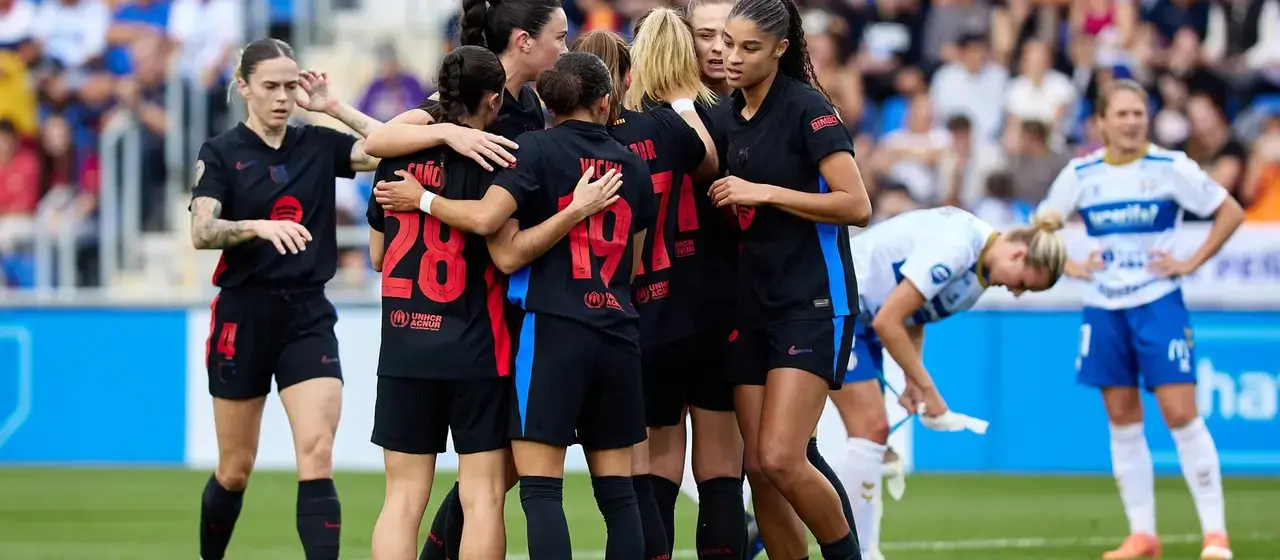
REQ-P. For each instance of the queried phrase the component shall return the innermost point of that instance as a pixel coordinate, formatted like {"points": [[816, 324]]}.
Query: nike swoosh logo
{"points": [[793, 351], [241, 165]]}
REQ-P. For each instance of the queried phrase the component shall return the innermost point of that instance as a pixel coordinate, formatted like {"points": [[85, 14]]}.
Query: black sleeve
{"points": [[681, 137], [340, 144], [636, 179], [823, 131], [212, 179], [375, 214], [521, 179]]}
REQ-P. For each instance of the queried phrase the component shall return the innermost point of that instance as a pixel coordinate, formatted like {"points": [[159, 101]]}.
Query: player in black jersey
{"points": [[792, 177], [528, 36], [446, 351], [676, 147], [264, 195]]}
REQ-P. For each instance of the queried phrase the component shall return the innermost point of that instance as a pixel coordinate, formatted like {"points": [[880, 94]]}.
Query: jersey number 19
{"points": [[587, 238], [440, 286]]}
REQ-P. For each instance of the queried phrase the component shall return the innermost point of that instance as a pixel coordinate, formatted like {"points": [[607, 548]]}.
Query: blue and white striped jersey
{"points": [[1131, 210]]}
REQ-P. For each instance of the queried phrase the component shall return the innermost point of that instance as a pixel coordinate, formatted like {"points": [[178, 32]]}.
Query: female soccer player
{"points": [[263, 196], [446, 352], [676, 147], [1131, 196], [796, 283], [528, 36], [918, 268]]}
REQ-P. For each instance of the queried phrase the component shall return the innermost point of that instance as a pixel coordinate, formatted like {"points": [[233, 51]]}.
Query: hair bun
{"points": [[1048, 221]]}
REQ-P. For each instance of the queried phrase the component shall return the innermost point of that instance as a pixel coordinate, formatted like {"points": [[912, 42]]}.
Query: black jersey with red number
{"points": [[295, 182], [586, 276], [720, 233], [664, 291], [442, 296], [518, 114], [790, 268]]}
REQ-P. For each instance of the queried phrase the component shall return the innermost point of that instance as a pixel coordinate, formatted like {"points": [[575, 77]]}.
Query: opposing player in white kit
{"points": [[1136, 326], [918, 268]]}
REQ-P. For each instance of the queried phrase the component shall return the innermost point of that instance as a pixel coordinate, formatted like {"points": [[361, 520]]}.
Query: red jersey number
{"points": [[686, 217], [442, 272], [588, 239]]}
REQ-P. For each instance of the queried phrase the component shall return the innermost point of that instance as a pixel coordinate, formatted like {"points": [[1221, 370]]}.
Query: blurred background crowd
{"points": [[974, 103]]}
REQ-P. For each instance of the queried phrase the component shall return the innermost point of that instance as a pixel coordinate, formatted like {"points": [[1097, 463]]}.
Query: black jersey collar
{"points": [[250, 137], [587, 128], [781, 82]]}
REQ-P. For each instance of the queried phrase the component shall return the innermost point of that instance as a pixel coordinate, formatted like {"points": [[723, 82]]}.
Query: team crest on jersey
{"points": [[940, 273], [199, 170], [279, 174]]}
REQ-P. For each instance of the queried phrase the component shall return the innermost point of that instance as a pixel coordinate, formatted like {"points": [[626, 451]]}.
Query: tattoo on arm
{"points": [[361, 123], [208, 231], [362, 161]]}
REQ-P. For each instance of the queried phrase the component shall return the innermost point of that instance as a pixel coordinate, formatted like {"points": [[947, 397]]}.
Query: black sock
{"points": [[219, 509], [319, 519], [452, 525], [542, 499], [433, 549], [656, 545], [665, 493], [722, 529], [616, 498], [844, 549], [820, 463]]}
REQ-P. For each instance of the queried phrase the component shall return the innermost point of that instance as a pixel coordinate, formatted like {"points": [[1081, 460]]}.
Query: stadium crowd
{"points": [[974, 103]]}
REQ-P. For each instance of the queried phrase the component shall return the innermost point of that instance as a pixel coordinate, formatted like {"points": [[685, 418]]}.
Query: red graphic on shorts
{"points": [[733, 335], [745, 215], [642, 295], [287, 208], [824, 122]]}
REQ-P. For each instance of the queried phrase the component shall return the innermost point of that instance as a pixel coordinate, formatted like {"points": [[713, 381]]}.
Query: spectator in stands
{"points": [[19, 189], [17, 98], [62, 168], [1212, 144], [208, 34], [1164, 18], [1261, 192], [842, 83], [910, 157], [1014, 23], [1034, 163], [17, 22], [998, 205], [1039, 93], [948, 24], [886, 37], [964, 168], [973, 85], [393, 90], [142, 95], [134, 21], [1103, 31], [1244, 41], [73, 34], [891, 199]]}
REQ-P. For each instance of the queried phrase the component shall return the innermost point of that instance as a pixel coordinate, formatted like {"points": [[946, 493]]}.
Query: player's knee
{"points": [[483, 498], [233, 472], [315, 455], [780, 464]]}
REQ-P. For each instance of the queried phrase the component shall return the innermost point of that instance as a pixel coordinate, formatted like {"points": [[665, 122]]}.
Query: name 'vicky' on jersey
{"points": [[1131, 210]]}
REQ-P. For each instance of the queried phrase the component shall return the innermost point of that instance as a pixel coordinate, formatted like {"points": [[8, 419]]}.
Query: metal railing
{"points": [[119, 212], [52, 253]]}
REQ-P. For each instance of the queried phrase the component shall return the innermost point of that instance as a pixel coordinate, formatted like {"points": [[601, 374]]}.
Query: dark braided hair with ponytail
{"points": [[467, 76], [489, 24], [781, 19]]}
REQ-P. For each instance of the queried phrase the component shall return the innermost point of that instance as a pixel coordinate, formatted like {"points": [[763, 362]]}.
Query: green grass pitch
{"points": [[151, 514]]}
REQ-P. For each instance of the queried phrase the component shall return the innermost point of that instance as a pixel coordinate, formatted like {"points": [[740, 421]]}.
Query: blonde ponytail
{"points": [[1046, 251], [664, 60]]}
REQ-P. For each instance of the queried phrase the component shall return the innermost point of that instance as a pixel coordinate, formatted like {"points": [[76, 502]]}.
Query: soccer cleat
{"points": [[1216, 547], [755, 543], [1137, 545]]}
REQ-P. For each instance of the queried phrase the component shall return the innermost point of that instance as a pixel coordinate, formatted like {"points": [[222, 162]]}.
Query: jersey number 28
{"points": [[441, 286], [587, 238]]}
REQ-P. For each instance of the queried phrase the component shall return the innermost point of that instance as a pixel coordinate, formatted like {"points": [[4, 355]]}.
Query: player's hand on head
{"points": [[485, 148], [1168, 266], [399, 196], [591, 197], [313, 94], [732, 190], [288, 237]]}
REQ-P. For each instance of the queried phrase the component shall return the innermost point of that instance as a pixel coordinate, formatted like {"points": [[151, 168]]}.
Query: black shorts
{"points": [[693, 372], [820, 347], [258, 334], [415, 416], [576, 384]]}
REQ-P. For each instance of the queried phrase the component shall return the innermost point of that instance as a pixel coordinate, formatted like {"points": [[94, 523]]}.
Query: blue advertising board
{"points": [[93, 385]]}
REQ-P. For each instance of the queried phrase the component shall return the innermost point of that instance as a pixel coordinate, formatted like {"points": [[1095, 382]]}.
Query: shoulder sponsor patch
{"points": [[199, 170], [940, 273], [824, 121]]}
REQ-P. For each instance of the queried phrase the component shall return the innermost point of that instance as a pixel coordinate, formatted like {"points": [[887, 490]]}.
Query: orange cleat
{"points": [[1137, 545], [1216, 547]]}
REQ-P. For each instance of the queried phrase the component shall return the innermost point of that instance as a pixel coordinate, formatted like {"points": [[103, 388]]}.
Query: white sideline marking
{"points": [[979, 544]]}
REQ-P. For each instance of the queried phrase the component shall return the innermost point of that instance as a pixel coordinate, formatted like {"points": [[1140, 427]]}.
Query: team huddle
{"points": [[675, 249]]}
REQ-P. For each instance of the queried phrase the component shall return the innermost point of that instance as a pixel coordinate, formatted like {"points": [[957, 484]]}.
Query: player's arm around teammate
{"points": [[528, 36], [271, 321]]}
